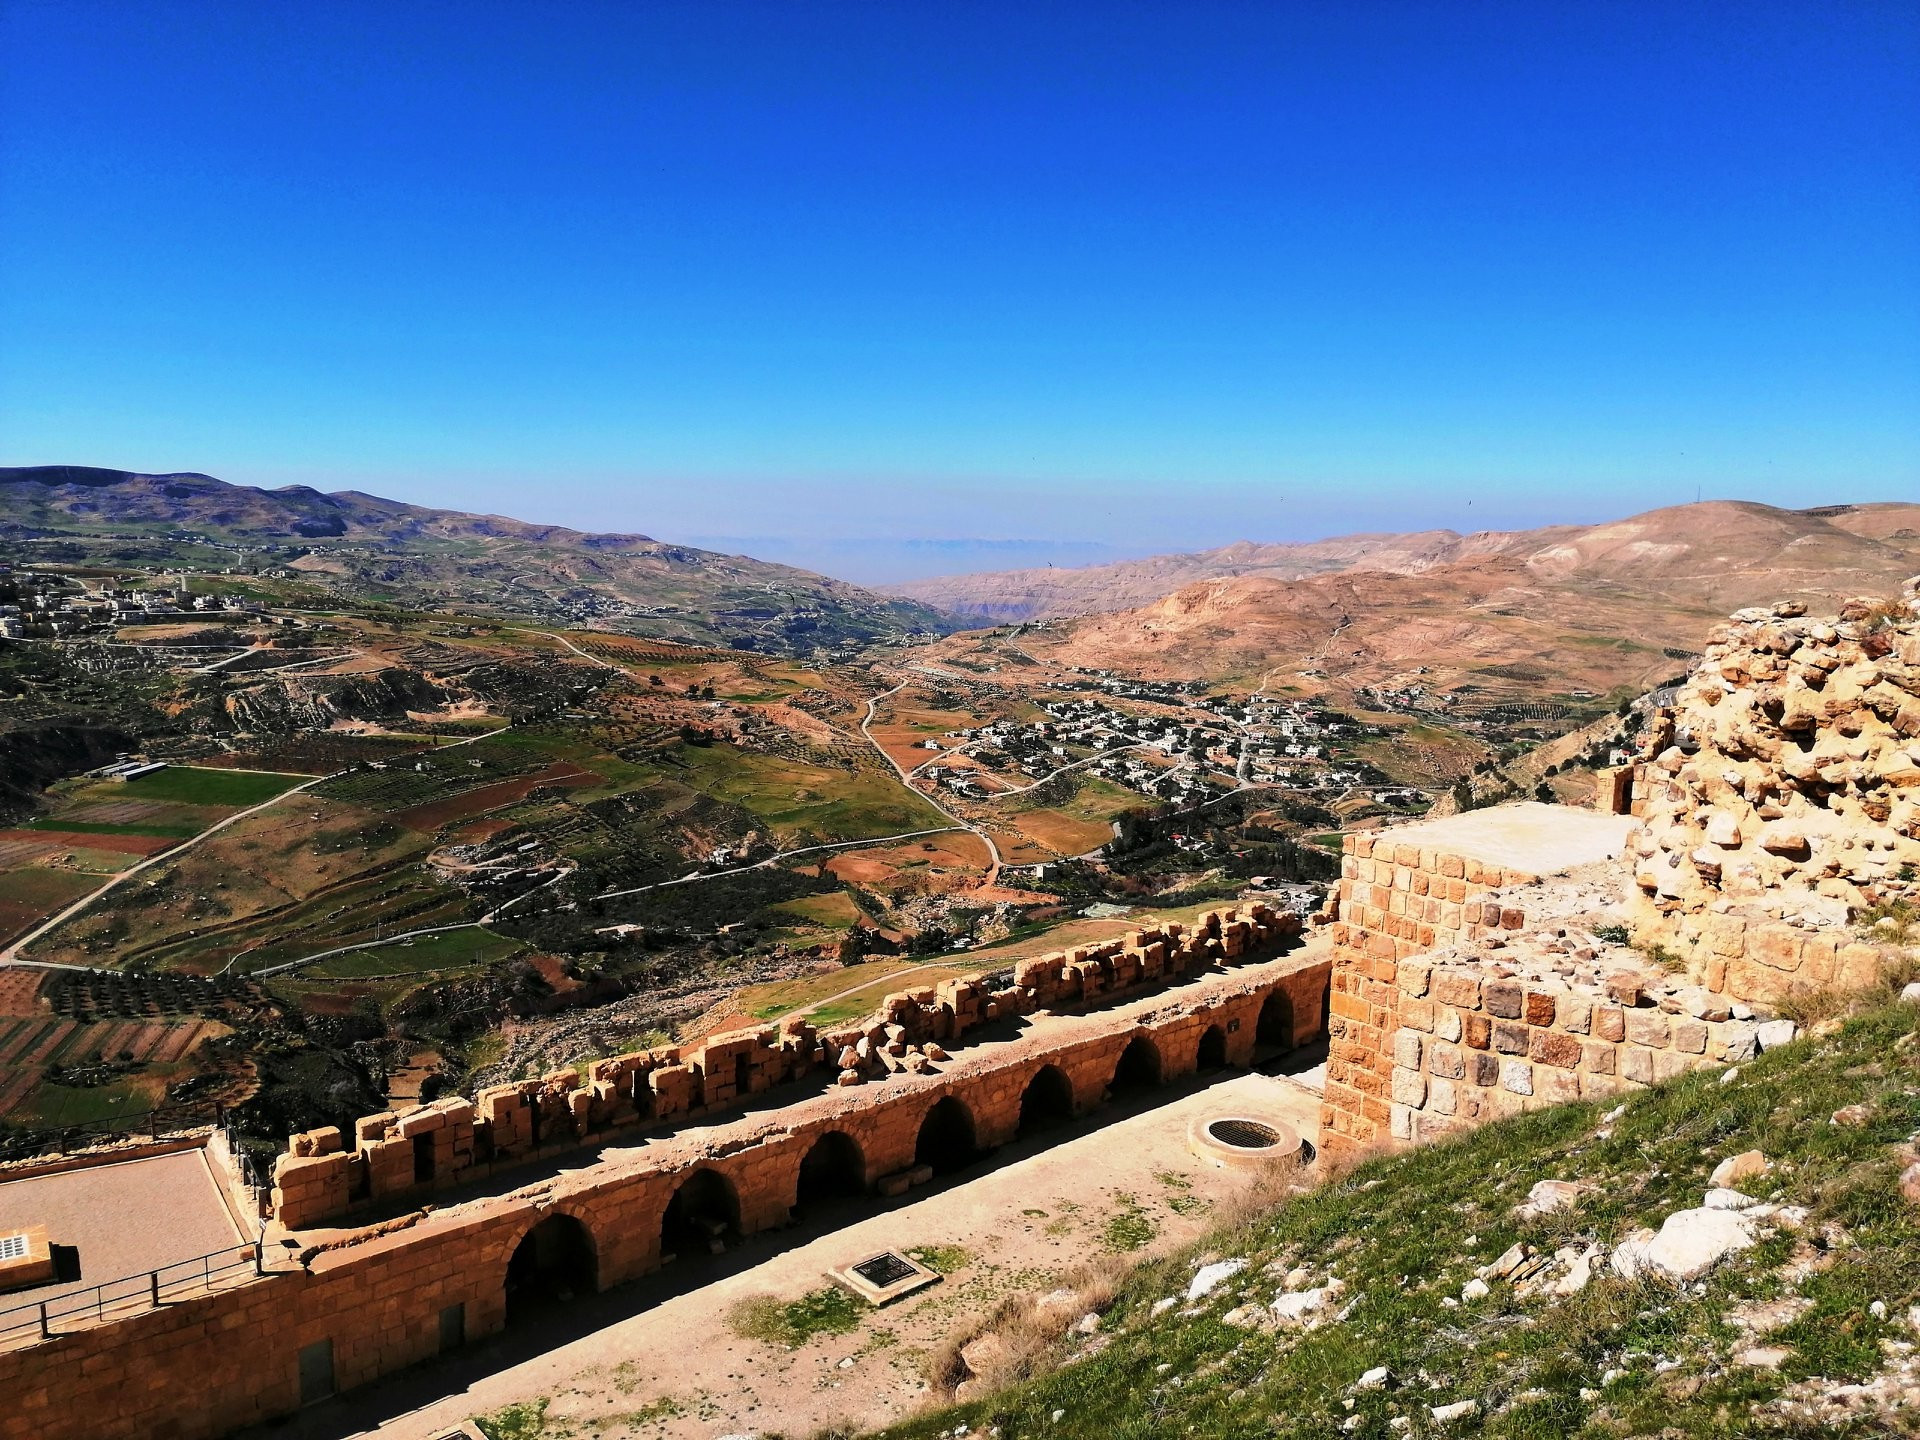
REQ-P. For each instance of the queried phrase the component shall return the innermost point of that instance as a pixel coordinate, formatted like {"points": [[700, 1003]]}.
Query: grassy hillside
{"points": [[1647, 1357]]}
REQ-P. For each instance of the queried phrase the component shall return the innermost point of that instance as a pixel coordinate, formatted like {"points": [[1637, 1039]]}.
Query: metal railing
{"points": [[158, 1123], [132, 1295]]}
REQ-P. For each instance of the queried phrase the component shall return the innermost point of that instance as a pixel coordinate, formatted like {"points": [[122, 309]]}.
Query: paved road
{"points": [[960, 822]]}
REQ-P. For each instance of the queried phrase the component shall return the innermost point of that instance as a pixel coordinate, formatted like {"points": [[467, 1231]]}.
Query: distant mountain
{"points": [[1704, 549], [1492, 618], [371, 548]]}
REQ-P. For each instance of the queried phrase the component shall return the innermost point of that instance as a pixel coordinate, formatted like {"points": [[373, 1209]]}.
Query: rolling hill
{"points": [[1500, 618], [1703, 552], [372, 548]]}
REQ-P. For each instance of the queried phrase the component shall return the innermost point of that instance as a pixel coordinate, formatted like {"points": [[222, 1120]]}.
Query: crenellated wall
{"points": [[393, 1157]]}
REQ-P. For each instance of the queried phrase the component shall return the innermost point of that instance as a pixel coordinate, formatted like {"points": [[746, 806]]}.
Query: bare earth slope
{"points": [[1689, 543], [1594, 608], [376, 548]]}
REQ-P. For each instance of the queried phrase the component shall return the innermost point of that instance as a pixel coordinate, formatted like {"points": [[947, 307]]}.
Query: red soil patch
{"points": [[20, 990], [478, 832], [120, 844], [430, 817]]}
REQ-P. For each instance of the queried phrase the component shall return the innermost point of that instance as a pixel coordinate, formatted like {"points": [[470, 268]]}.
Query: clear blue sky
{"points": [[1147, 275]]}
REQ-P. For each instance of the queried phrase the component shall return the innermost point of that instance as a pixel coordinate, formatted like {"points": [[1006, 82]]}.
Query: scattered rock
{"points": [[1459, 1410], [1378, 1378], [1735, 1168], [1690, 1243], [1762, 1357], [1548, 1196], [1852, 1115], [1719, 1199], [1772, 1034], [1208, 1278], [1475, 1289]]}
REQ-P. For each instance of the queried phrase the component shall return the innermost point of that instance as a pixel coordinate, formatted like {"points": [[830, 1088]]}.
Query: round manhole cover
{"points": [[1244, 1134]]}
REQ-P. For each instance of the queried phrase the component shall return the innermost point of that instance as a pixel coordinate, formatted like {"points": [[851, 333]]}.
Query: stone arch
{"points": [[1138, 1067], [555, 1260], [1211, 1053], [1047, 1100], [947, 1136], [702, 1216], [1274, 1029], [833, 1168]]}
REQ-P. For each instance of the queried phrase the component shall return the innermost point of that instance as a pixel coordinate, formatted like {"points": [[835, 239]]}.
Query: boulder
{"points": [[1735, 1168], [1209, 1278], [1689, 1243]]}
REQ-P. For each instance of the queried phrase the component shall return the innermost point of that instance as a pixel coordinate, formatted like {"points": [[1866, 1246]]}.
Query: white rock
{"points": [[1378, 1378], [1209, 1278], [1720, 1199], [1772, 1034], [1459, 1410], [1087, 1324], [1690, 1243], [1579, 1274], [1878, 1309], [1475, 1289], [1058, 1416], [1302, 1307], [1547, 1196], [1735, 1168], [1160, 1307], [1910, 992]]}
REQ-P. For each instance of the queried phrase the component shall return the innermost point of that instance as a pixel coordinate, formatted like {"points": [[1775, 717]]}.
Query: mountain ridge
{"points": [[372, 547], [1020, 595]]}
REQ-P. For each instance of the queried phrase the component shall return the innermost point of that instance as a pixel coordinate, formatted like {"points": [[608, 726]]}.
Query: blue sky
{"points": [[1121, 275]]}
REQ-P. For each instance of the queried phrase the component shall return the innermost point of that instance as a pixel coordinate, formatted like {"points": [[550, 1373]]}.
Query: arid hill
{"points": [[1594, 608], [372, 548], [1703, 549]]}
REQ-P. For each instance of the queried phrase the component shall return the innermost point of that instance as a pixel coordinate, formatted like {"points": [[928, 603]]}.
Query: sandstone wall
{"points": [[394, 1157], [201, 1367]]}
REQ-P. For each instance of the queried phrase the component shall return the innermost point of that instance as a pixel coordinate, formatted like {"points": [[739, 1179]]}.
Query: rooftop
{"points": [[122, 1219], [1528, 836]]}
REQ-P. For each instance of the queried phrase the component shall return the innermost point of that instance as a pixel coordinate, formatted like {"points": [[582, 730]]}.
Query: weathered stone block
{"points": [[1504, 999], [1647, 1027], [1447, 1062], [1610, 1024], [1511, 1038], [1540, 1008], [1516, 1076], [1557, 1048], [1477, 1030]]}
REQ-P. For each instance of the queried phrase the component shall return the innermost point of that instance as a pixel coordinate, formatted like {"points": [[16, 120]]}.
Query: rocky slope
{"points": [[1728, 1254], [372, 548], [1713, 554], [1606, 607]]}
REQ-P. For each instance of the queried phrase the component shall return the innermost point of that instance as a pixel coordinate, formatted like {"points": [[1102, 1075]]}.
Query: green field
{"points": [[448, 951], [187, 785], [807, 803], [160, 829]]}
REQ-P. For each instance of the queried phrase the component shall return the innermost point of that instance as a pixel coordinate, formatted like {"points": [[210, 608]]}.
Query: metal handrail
{"points": [[129, 1295], [54, 1139]]}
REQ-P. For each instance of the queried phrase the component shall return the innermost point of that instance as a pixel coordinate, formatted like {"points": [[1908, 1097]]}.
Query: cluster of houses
{"points": [[43, 604]]}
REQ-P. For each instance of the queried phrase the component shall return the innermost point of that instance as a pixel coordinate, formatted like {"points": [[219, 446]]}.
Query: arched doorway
{"points": [[834, 1169], [1274, 1029], [1048, 1100], [1137, 1069], [553, 1263], [1212, 1054], [946, 1137], [702, 1217]]}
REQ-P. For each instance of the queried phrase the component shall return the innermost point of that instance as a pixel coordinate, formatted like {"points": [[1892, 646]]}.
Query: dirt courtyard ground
{"points": [[658, 1360]]}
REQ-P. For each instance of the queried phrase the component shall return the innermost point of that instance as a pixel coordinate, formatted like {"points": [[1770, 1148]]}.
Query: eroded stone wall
{"points": [[1780, 798], [323, 1177]]}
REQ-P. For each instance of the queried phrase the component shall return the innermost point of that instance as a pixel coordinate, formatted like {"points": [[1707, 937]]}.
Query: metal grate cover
{"points": [[1244, 1134], [884, 1270]]}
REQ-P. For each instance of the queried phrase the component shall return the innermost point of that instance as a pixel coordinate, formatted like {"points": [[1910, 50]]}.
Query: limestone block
{"points": [[1510, 1038], [1575, 1014], [1407, 1050], [1483, 1068], [1447, 1025], [1647, 1027], [1610, 1024], [1516, 1076], [1409, 1087], [1446, 1062]]}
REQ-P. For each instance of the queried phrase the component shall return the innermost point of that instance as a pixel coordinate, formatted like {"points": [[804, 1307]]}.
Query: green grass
{"points": [[165, 830], [190, 786], [526, 1421], [53, 1104], [826, 1311], [448, 951], [942, 1259], [1405, 1233]]}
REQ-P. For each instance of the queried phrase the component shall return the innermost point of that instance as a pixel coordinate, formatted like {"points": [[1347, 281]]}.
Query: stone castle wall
{"points": [[394, 1157], [380, 1295]]}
